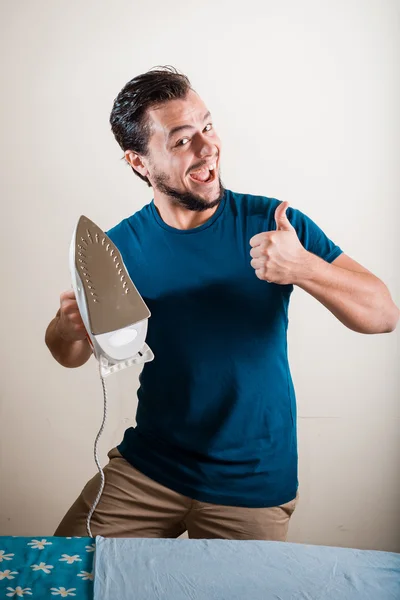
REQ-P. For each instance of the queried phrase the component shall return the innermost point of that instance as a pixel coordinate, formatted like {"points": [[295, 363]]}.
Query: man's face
{"points": [[184, 153]]}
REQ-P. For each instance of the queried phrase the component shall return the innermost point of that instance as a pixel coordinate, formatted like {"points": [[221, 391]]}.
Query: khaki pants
{"points": [[132, 505]]}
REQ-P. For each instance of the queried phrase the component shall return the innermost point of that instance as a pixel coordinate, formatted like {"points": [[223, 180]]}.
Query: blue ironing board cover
{"points": [[150, 569]]}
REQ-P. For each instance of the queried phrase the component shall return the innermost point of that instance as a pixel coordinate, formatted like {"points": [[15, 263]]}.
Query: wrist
{"points": [[308, 267]]}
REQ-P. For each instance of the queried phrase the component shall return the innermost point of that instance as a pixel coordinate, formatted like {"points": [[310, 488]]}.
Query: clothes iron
{"points": [[113, 311]]}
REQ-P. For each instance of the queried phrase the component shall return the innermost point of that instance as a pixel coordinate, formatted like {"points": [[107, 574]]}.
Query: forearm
{"points": [[359, 300], [69, 354]]}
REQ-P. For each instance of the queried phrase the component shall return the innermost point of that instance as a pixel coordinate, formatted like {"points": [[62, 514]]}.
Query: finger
{"points": [[281, 220], [258, 239], [67, 295], [69, 306], [79, 332], [257, 252], [261, 274], [257, 263], [75, 317]]}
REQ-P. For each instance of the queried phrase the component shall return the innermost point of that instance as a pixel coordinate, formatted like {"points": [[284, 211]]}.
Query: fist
{"points": [[70, 325], [277, 256]]}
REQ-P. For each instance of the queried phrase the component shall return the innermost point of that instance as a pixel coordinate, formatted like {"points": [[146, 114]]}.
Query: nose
{"points": [[204, 147]]}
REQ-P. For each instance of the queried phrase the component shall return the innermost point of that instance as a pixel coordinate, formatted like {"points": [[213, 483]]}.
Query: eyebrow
{"points": [[178, 128]]}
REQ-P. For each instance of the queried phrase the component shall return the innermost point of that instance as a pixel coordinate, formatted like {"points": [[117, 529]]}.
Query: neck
{"points": [[179, 217]]}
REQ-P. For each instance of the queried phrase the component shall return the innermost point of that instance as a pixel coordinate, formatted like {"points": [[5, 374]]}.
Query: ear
{"points": [[136, 162]]}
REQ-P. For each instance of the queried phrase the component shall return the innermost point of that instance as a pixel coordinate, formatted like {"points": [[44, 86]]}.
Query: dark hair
{"points": [[129, 119]]}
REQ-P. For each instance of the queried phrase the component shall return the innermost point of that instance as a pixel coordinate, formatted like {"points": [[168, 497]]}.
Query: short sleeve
{"points": [[312, 237]]}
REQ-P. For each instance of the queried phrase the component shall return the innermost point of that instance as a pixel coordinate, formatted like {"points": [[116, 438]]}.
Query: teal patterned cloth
{"points": [[50, 567]]}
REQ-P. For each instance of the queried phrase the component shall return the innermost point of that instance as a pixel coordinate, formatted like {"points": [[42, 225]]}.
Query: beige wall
{"points": [[305, 96]]}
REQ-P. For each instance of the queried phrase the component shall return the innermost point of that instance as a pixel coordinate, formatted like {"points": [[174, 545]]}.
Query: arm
{"points": [[355, 296], [66, 334]]}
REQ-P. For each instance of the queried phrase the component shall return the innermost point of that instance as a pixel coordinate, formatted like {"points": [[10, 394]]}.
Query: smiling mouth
{"points": [[206, 174]]}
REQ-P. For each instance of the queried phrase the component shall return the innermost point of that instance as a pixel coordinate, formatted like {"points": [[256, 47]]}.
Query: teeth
{"points": [[210, 168]]}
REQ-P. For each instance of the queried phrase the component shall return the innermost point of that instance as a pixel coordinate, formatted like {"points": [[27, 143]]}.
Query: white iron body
{"points": [[114, 348]]}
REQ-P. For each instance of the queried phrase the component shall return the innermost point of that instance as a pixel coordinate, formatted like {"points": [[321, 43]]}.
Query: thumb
{"points": [[282, 222]]}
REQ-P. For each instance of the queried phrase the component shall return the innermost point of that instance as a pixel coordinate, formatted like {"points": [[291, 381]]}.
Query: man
{"points": [[214, 451]]}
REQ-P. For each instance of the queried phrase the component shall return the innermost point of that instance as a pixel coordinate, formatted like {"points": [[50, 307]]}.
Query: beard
{"points": [[186, 199]]}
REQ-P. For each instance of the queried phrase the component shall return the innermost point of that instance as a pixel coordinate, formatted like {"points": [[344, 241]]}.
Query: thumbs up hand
{"points": [[278, 256]]}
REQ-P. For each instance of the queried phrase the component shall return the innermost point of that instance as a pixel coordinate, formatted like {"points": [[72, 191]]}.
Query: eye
{"points": [[208, 127], [183, 142]]}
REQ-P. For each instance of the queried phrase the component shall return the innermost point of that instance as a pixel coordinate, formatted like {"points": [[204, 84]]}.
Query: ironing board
{"points": [[157, 569]]}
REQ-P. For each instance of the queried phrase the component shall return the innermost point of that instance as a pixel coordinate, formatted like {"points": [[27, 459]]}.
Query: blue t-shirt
{"points": [[216, 417]]}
